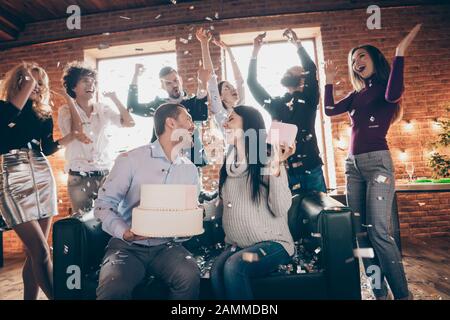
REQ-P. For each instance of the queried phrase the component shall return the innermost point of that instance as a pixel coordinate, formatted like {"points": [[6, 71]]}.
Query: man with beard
{"points": [[298, 106], [172, 83]]}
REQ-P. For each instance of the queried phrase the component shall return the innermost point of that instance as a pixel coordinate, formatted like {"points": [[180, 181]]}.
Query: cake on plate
{"points": [[167, 210]]}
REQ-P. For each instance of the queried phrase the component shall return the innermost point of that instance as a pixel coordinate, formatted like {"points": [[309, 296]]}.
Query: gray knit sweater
{"points": [[246, 222]]}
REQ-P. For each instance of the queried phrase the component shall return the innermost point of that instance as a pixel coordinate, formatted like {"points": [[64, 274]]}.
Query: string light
{"points": [[408, 125], [349, 131], [435, 124], [341, 144], [403, 155], [62, 177]]}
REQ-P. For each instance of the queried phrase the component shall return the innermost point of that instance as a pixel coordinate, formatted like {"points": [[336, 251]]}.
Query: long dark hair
{"points": [[253, 120], [381, 67]]}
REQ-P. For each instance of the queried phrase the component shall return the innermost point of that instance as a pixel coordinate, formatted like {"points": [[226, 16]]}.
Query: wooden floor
{"points": [[426, 261]]}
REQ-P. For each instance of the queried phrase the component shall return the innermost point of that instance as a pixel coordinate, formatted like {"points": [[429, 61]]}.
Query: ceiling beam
{"points": [[10, 25]]}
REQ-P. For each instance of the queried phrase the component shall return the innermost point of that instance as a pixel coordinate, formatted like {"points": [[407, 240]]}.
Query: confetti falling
{"points": [[372, 119], [381, 179], [125, 18], [184, 41], [158, 16], [11, 125]]}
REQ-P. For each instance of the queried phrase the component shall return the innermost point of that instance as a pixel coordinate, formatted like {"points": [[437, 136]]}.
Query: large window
{"points": [[115, 74], [274, 58]]}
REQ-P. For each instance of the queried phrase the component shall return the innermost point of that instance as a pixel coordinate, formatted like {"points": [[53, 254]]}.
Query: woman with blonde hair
{"points": [[27, 185], [373, 106]]}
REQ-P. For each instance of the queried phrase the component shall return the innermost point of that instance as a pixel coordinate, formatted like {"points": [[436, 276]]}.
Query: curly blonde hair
{"points": [[11, 85]]}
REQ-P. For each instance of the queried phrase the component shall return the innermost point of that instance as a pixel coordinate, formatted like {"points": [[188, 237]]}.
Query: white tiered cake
{"points": [[167, 210]]}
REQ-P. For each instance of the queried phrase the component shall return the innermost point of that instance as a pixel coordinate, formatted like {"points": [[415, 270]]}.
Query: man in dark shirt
{"points": [[172, 83], [298, 106]]}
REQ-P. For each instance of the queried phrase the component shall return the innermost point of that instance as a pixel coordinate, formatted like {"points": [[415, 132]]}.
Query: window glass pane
{"points": [[115, 75]]}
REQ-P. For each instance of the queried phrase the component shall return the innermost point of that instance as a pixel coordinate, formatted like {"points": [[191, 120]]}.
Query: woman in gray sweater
{"points": [[256, 198]]}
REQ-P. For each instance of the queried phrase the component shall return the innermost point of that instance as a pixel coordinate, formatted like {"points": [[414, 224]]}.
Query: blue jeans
{"points": [[305, 182], [231, 274]]}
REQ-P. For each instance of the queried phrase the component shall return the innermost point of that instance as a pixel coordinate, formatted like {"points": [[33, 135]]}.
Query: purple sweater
{"points": [[371, 110]]}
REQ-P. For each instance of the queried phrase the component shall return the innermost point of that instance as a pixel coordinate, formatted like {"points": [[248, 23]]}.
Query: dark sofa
{"points": [[320, 225]]}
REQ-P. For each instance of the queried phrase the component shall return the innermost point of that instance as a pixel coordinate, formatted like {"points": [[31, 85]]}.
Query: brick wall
{"points": [[343, 25], [424, 214]]}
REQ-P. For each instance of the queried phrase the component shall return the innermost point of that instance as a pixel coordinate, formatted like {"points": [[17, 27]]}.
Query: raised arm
{"points": [[133, 105], [125, 118], [10, 110], [258, 92], [331, 108], [212, 87], [239, 80], [394, 87], [26, 84], [311, 86]]}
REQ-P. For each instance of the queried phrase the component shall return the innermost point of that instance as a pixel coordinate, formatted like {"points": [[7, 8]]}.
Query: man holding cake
{"points": [[129, 257]]}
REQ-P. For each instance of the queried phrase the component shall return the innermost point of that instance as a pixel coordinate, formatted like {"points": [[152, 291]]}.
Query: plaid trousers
{"points": [[370, 192]]}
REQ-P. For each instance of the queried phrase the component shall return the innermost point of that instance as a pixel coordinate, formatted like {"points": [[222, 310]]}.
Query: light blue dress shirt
{"points": [[121, 191]]}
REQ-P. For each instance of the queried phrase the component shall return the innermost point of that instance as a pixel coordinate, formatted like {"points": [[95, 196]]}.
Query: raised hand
{"points": [[404, 44], [139, 69], [220, 44], [203, 74], [27, 76], [257, 43], [285, 152], [280, 154], [203, 35], [330, 71], [291, 35], [110, 94]]}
